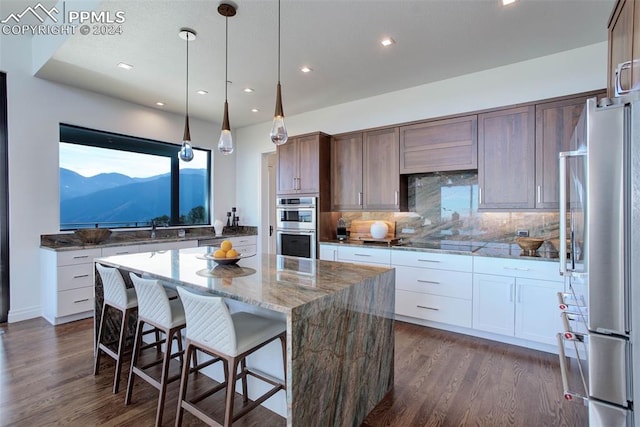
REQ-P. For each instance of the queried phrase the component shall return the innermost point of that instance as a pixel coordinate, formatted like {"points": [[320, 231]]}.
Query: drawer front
{"points": [[446, 283], [246, 249], [432, 260], [243, 241], [78, 257], [541, 270], [75, 301], [75, 276], [452, 311], [364, 255], [120, 250]]}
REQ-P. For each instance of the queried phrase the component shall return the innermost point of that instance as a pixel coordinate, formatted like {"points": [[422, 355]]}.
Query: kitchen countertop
{"points": [[457, 247], [70, 242]]}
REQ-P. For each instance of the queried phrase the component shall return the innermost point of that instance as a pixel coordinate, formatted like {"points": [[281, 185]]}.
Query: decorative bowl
{"points": [[225, 261], [529, 244], [93, 235]]}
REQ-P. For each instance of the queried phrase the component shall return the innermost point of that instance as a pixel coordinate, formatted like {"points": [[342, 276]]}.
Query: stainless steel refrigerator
{"points": [[600, 200]]}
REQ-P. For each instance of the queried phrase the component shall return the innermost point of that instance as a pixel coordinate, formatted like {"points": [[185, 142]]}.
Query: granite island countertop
{"points": [[69, 241], [456, 247]]}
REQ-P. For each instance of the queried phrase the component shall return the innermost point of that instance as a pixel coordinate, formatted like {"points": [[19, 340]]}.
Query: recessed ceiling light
{"points": [[306, 69], [254, 110], [160, 104], [202, 92], [247, 90], [506, 2], [125, 66], [388, 41]]}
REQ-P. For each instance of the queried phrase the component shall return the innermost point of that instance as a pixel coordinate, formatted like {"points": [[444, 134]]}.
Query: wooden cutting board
{"points": [[361, 230]]}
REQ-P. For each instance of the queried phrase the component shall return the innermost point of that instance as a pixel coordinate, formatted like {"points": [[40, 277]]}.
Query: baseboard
{"points": [[24, 314]]}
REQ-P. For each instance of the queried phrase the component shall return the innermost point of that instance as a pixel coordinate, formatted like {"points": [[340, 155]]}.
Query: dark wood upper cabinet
{"points": [[439, 145], [624, 46], [506, 153], [365, 171], [346, 172], [555, 123], [303, 165]]}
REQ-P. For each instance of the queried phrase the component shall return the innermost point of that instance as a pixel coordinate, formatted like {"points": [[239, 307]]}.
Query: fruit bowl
{"points": [[529, 244], [225, 261], [93, 235]]}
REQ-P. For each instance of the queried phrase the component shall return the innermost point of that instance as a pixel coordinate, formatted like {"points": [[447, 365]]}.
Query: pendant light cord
{"points": [[278, 41], [226, 56], [187, 86]]}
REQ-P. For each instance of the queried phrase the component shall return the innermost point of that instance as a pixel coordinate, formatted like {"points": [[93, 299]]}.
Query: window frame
{"points": [[73, 134]]}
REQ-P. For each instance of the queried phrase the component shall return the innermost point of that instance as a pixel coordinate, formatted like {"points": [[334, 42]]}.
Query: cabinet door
{"points": [[506, 159], [493, 306], [328, 252], [439, 145], [555, 122], [381, 170], [308, 154], [287, 167], [620, 43], [346, 172], [537, 315]]}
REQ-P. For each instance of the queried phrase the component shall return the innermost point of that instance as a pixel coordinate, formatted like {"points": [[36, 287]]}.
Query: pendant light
{"points": [[225, 143], [278, 130], [186, 152]]}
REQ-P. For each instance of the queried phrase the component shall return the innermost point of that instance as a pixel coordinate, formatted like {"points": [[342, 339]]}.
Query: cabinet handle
{"points": [[360, 198], [428, 308], [396, 198], [428, 281], [538, 194], [619, 90], [519, 294], [80, 276], [479, 195], [81, 256], [362, 255], [511, 293], [81, 300], [517, 268], [299, 184], [428, 260]]}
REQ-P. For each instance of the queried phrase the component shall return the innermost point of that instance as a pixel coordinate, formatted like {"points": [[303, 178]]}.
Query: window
{"points": [[118, 181]]}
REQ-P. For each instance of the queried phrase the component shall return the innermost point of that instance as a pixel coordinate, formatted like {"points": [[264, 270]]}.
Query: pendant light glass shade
{"points": [[186, 151], [225, 143], [279, 134]]}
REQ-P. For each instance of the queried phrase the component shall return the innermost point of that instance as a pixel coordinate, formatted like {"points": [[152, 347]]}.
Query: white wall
{"points": [[561, 74], [35, 110]]}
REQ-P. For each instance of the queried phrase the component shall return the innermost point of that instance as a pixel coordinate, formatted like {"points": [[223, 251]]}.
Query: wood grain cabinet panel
{"points": [[346, 172], [440, 145], [506, 153], [303, 164], [622, 47]]}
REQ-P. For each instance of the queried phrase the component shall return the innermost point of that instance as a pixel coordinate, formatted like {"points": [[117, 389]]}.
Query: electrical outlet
{"points": [[522, 233]]}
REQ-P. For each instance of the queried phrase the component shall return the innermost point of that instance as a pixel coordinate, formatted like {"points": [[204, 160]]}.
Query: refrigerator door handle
{"points": [[562, 168]]}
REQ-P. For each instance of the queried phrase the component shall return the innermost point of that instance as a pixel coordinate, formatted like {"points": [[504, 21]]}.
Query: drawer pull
{"points": [[428, 308], [367, 255], [428, 260], [81, 256], [80, 276], [517, 268], [81, 300], [428, 281], [122, 253]]}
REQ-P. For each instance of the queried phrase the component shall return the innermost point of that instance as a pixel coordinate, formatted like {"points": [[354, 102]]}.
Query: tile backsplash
{"points": [[445, 206]]}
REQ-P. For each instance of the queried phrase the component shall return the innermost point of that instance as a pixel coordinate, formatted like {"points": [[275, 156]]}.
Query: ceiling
{"points": [[339, 40]]}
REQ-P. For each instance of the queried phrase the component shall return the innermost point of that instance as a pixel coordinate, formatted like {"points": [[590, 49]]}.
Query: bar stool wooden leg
{"points": [[134, 361], [184, 379], [231, 390], [96, 366], [243, 373]]}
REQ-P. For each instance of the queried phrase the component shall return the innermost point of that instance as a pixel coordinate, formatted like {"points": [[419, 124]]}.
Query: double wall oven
{"points": [[297, 226]]}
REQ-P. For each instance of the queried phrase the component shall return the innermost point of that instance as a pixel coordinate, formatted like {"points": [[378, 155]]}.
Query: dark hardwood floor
{"points": [[441, 379]]}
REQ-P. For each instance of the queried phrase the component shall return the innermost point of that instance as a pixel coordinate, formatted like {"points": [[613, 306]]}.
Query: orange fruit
{"points": [[225, 245], [220, 254], [232, 253]]}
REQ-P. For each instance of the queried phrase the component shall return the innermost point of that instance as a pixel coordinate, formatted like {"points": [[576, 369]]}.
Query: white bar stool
{"points": [[212, 329], [116, 295], [164, 316]]}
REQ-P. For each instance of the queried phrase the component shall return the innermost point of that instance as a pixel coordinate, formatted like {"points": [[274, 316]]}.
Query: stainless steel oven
{"points": [[296, 226]]}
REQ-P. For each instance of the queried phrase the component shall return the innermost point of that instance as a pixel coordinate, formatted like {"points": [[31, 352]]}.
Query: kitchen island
{"points": [[340, 342]]}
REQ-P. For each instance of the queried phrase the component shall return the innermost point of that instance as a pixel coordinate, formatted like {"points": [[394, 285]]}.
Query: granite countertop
{"points": [[275, 282], [69, 241], [458, 247]]}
